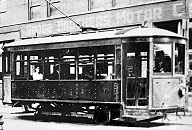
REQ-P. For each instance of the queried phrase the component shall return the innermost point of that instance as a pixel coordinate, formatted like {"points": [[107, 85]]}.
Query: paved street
{"points": [[14, 119]]}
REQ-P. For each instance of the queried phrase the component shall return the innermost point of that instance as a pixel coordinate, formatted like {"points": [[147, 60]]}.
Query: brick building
{"points": [[24, 19]]}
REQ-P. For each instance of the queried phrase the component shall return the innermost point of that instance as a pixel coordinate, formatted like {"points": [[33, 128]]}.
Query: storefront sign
{"points": [[107, 19], [99, 21]]}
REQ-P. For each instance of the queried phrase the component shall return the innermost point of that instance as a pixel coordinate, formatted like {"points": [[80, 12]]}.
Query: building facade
{"points": [[24, 19]]}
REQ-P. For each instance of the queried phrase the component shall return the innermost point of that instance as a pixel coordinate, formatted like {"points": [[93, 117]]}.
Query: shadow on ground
{"points": [[85, 121]]}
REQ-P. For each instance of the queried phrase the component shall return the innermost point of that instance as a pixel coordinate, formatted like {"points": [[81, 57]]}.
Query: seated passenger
{"points": [[88, 75], [162, 63], [37, 75], [99, 75], [179, 67], [55, 74]]}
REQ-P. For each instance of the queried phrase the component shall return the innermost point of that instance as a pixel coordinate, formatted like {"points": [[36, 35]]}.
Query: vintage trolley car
{"points": [[130, 75]]}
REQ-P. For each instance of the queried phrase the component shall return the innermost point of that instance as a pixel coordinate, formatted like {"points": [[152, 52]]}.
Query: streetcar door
{"points": [[137, 64]]}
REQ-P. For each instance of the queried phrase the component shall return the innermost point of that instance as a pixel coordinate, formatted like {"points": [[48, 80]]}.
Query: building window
{"points": [[2, 11], [135, 2], [52, 11], [34, 9], [122, 2], [2, 17], [100, 4]]}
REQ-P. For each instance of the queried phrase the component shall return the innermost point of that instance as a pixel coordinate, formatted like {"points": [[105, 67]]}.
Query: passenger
{"points": [[162, 63], [55, 74], [179, 67], [99, 75], [37, 75], [88, 73]]}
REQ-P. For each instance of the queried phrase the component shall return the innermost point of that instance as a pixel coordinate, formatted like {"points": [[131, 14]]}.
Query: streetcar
{"points": [[131, 75]]}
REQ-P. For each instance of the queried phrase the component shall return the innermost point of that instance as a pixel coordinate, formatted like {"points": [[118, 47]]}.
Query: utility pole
{"points": [[186, 35]]}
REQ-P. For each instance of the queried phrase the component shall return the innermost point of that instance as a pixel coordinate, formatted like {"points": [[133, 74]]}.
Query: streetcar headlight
{"points": [[181, 91]]}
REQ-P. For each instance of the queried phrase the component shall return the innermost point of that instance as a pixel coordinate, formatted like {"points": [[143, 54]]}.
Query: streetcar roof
{"points": [[130, 32], [148, 32]]}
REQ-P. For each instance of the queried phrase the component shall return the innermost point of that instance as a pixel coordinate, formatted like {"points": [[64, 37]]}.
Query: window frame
{"points": [[23, 66], [35, 62], [49, 6], [32, 4], [90, 7], [2, 17], [3, 11], [171, 60], [175, 60]]}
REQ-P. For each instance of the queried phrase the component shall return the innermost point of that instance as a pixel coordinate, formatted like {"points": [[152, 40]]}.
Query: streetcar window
{"points": [[86, 63], [105, 63], [137, 59], [35, 60], [179, 58], [68, 64], [162, 58], [71, 63], [96, 62], [51, 65], [21, 65]]}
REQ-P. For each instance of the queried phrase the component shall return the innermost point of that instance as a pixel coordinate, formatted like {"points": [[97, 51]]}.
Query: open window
{"points": [[179, 58], [68, 64], [35, 60], [105, 62], [162, 59], [51, 65], [86, 63]]}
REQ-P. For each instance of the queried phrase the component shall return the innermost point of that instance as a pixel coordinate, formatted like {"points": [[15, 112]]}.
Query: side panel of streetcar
{"points": [[100, 91]]}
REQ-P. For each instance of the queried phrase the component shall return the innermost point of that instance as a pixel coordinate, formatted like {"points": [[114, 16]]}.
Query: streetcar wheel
{"points": [[102, 116], [38, 114]]}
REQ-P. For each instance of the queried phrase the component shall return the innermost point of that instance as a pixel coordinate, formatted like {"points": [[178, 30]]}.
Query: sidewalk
{"points": [[7, 109]]}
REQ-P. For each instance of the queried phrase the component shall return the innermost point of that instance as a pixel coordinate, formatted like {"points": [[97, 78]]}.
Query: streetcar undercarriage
{"points": [[100, 113]]}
